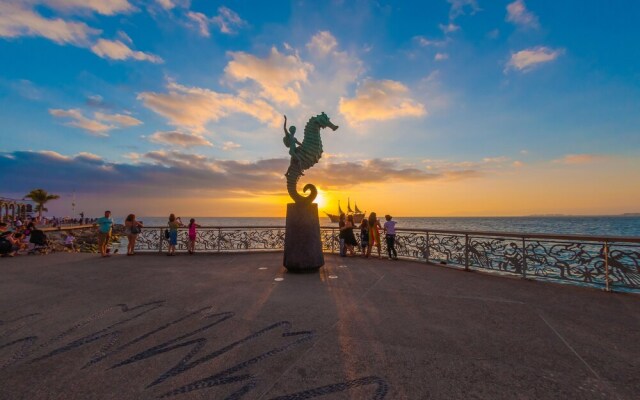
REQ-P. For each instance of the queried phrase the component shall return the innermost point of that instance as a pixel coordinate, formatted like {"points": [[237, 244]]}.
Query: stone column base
{"points": [[302, 244]]}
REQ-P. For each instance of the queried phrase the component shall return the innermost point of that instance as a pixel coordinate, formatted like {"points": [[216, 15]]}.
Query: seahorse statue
{"points": [[305, 156]]}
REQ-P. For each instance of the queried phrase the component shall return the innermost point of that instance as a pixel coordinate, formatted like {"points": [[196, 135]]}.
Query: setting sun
{"points": [[321, 199]]}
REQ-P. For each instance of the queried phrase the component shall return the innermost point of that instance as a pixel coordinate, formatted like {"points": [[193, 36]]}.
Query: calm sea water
{"points": [[599, 226]]}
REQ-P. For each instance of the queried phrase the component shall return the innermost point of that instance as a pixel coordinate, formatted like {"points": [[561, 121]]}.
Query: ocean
{"points": [[578, 225]]}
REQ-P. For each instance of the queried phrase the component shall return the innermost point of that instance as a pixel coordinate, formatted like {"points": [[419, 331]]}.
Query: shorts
{"points": [[173, 238], [103, 238]]}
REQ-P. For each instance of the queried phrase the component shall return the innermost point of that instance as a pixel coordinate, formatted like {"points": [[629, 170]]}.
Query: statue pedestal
{"points": [[302, 244]]}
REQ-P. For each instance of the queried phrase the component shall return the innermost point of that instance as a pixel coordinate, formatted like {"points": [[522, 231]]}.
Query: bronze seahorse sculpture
{"points": [[306, 155]]}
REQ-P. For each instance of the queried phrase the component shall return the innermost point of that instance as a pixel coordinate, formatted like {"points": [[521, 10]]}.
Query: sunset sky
{"points": [[445, 107]]}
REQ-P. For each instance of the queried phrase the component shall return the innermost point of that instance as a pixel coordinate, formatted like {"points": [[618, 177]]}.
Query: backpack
{"points": [[5, 246]]}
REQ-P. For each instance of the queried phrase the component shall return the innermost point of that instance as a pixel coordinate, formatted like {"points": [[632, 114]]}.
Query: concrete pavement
{"points": [[238, 326]]}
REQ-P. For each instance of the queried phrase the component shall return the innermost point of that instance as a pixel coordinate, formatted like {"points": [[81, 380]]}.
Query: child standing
{"points": [[364, 236], [69, 241], [390, 236], [174, 223], [192, 235]]}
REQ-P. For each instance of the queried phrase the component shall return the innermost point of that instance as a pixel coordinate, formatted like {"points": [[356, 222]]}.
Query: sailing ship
{"points": [[357, 214]]}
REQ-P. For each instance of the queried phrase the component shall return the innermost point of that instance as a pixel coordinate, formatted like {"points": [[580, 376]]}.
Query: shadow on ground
{"points": [[76, 326]]}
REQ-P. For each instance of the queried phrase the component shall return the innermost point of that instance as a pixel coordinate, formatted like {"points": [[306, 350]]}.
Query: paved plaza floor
{"points": [[225, 326]]}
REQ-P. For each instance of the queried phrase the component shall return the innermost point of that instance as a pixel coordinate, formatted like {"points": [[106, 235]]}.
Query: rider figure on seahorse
{"points": [[290, 141], [304, 155]]}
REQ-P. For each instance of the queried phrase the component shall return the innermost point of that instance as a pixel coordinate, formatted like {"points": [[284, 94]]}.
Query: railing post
{"points": [[332, 240], [524, 258], [219, 238], [466, 252], [428, 253], [161, 236], [606, 266]]}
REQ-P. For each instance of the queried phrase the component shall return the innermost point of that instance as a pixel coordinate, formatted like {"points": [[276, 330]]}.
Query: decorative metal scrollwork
{"points": [[448, 248], [410, 245], [496, 254], [579, 261]]}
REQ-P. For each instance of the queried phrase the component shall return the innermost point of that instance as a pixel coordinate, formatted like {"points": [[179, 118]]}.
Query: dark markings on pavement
{"points": [[194, 341]]}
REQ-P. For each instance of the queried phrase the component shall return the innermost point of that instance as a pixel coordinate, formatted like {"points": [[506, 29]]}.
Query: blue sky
{"points": [[436, 95]]}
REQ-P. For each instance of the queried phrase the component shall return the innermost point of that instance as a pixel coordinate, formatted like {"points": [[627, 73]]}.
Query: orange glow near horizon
{"points": [[604, 188]]}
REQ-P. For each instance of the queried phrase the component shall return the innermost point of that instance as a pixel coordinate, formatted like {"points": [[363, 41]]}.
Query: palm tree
{"points": [[41, 196]]}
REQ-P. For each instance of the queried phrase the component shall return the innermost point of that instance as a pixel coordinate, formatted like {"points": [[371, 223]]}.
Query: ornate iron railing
{"points": [[609, 262]]}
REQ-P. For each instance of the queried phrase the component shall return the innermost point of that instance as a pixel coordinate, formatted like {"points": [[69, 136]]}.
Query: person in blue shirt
{"points": [[104, 232]]}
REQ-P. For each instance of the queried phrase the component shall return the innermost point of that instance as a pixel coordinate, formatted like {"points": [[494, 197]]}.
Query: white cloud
{"points": [[227, 21], [121, 120], [88, 156], [179, 139], [278, 76], [78, 120], [125, 38], [16, 20], [166, 4], [104, 7], [54, 155], [526, 60], [27, 89], [192, 108], [230, 146], [495, 160], [380, 101], [322, 43], [518, 14], [449, 28], [116, 50], [333, 75], [458, 7], [99, 126], [441, 56], [424, 42], [202, 21]]}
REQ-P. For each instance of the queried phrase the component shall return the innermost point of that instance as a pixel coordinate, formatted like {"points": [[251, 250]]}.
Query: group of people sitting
{"points": [[369, 235], [26, 238], [14, 241]]}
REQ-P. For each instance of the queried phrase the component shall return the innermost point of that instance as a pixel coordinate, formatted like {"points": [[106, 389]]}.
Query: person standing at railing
{"points": [[192, 235], [390, 237], [342, 227], [364, 237], [174, 223], [104, 232], [374, 234], [349, 238], [132, 228]]}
